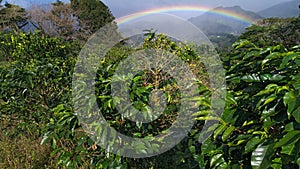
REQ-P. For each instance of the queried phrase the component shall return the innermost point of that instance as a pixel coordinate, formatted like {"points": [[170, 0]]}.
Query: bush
{"points": [[34, 78], [260, 127]]}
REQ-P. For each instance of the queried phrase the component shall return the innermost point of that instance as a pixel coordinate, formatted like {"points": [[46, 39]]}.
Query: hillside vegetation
{"points": [[282, 10], [212, 22], [259, 128]]}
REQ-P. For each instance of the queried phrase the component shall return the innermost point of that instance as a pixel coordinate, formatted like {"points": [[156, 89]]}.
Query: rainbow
{"points": [[217, 11]]}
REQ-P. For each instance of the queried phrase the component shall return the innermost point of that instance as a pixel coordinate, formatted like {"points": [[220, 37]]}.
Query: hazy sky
{"points": [[254, 5], [124, 7], [28, 3]]}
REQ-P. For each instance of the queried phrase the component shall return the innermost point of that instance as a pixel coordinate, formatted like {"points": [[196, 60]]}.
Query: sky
{"points": [[124, 7], [121, 8], [28, 3]]}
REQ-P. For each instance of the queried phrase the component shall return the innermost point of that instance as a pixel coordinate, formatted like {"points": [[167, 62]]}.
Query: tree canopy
{"points": [[76, 20], [92, 14], [12, 17]]}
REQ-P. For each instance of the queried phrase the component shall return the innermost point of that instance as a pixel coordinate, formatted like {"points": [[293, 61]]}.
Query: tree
{"points": [[274, 31], [92, 14], [77, 20], [58, 21], [12, 17]]}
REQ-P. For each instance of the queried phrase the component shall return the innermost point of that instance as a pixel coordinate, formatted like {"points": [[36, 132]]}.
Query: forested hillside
{"points": [[213, 23], [259, 128], [282, 10]]}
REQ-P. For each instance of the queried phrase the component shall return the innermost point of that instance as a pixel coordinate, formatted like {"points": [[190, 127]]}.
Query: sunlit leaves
{"points": [[289, 138], [264, 83], [261, 157]]}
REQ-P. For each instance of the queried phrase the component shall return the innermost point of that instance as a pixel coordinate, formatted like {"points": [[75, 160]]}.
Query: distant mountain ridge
{"points": [[211, 23], [282, 10]]}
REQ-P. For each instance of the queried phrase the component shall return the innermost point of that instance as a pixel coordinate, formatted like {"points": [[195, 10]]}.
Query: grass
{"points": [[22, 150]]}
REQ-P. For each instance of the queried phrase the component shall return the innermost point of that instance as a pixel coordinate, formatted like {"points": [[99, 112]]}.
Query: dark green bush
{"points": [[261, 125]]}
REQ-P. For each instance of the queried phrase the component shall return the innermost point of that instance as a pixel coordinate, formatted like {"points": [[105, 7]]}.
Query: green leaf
{"points": [[29, 79], [261, 157], [270, 99], [228, 115], [207, 146], [296, 81], [208, 118], [289, 127], [250, 55], [246, 123], [288, 58], [227, 132], [59, 108], [291, 149], [251, 78], [141, 148], [45, 137], [277, 163], [92, 101], [289, 100], [268, 122], [274, 55], [269, 89], [267, 50], [252, 144], [289, 138], [296, 114], [271, 77], [241, 44], [217, 161], [219, 130], [230, 99]]}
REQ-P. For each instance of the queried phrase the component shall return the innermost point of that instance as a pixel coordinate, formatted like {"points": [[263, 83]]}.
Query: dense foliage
{"points": [[91, 14], [274, 31], [260, 125], [259, 128], [35, 76], [83, 151], [12, 17]]}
